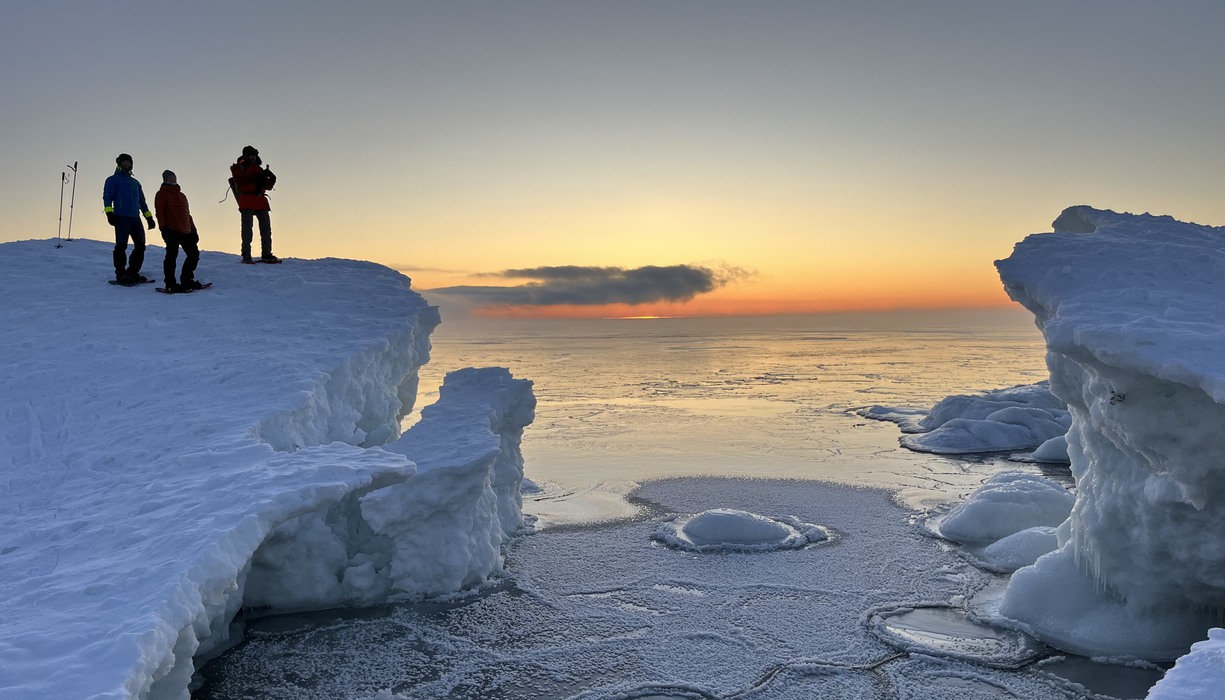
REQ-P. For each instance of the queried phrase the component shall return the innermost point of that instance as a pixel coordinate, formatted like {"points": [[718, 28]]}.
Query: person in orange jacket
{"points": [[178, 229], [250, 182]]}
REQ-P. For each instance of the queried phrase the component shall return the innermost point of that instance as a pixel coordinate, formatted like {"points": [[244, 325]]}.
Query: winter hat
{"points": [[166, 175], [122, 156], [249, 151]]}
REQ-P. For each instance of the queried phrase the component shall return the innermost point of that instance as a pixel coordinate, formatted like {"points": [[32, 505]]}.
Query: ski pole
{"points": [[63, 179], [73, 201]]}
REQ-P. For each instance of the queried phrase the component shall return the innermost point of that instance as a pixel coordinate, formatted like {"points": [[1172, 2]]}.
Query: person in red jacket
{"points": [[178, 229], [250, 183]]}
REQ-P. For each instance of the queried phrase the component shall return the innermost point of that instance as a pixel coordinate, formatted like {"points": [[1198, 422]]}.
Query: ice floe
{"points": [[730, 530]]}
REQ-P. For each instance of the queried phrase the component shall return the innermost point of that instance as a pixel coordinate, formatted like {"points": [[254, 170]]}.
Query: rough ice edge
{"points": [[440, 531], [346, 382], [1133, 321], [1198, 675], [1016, 648], [1021, 417]]}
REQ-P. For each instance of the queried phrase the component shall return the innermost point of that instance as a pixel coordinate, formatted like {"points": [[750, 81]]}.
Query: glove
{"points": [[110, 218], [149, 220]]}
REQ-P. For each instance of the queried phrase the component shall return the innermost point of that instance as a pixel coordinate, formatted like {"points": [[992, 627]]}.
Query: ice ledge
{"points": [[1133, 311], [152, 445], [438, 532]]}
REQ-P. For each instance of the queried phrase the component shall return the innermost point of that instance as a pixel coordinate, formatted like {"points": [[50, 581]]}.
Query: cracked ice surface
{"points": [[603, 611]]}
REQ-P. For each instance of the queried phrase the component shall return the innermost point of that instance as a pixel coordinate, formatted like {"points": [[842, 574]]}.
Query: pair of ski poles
{"points": [[71, 203]]}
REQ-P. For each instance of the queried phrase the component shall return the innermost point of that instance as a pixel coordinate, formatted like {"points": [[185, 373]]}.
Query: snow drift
{"points": [[168, 460], [1131, 307]]}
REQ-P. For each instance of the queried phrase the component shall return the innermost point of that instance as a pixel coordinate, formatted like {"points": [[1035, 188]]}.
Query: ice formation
{"points": [[1006, 504], [1198, 675], [1017, 418], [170, 459], [1021, 548], [1132, 313], [731, 530]]}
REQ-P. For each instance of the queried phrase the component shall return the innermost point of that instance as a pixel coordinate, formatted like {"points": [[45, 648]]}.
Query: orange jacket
{"points": [[173, 213], [251, 182]]}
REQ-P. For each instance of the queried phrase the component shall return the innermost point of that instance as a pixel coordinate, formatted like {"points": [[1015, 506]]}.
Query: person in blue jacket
{"points": [[124, 203]]}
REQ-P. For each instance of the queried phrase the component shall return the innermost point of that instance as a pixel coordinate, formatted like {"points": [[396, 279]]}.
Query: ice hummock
{"points": [[1026, 417], [1005, 505], [169, 459], [732, 530], [1132, 311]]}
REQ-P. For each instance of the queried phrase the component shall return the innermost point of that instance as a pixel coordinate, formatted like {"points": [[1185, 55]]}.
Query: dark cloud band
{"points": [[586, 286]]}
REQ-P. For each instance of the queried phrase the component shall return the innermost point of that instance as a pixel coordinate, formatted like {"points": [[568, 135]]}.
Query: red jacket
{"points": [[251, 182], [173, 213]]}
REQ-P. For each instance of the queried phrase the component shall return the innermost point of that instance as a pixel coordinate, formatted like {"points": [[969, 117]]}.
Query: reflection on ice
{"points": [[1113, 680]]}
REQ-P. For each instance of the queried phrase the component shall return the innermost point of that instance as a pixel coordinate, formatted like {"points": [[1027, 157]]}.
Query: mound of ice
{"points": [[440, 531], [1005, 504], [1134, 320], [725, 529], [1199, 675], [1053, 451], [1017, 418], [1021, 548], [166, 460]]}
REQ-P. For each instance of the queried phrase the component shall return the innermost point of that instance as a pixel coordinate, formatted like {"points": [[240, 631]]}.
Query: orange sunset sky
{"points": [[750, 158]]}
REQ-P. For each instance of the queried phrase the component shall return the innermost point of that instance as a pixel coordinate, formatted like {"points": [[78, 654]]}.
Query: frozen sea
{"points": [[643, 422]]}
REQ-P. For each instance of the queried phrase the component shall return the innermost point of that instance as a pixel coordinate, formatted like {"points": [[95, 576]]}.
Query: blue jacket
{"points": [[123, 195]]}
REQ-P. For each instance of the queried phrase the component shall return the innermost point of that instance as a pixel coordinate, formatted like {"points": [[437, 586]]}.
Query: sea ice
{"points": [[1021, 548], [166, 460], [601, 611], [1006, 504], [728, 530], [1017, 418], [1132, 313], [1199, 675]]}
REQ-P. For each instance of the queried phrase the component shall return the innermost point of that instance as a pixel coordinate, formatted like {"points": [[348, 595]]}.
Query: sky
{"points": [[628, 158]]}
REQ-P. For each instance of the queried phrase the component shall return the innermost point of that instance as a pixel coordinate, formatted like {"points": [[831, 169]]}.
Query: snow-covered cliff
{"points": [[1133, 311], [168, 460]]}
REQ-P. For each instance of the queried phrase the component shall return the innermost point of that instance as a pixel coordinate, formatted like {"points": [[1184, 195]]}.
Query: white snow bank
{"points": [[1017, 418], [1199, 675], [730, 530], [1132, 311], [1006, 504], [153, 443]]}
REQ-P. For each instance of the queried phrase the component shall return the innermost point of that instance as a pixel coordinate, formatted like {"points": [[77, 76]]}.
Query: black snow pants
{"points": [[129, 227], [190, 242]]}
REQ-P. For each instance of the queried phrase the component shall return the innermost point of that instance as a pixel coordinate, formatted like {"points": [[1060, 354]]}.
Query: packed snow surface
{"points": [[168, 459], [1133, 314]]}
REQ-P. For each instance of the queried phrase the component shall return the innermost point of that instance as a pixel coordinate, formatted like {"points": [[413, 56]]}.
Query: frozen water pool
{"points": [[642, 425], [604, 611]]}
